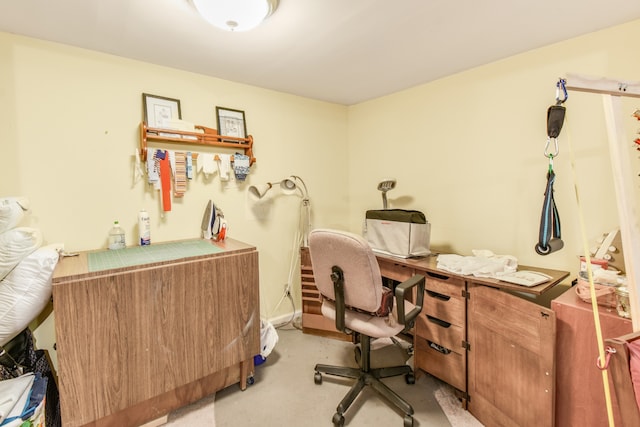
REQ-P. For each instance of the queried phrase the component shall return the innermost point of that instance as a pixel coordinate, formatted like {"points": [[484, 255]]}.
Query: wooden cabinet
{"points": [[491, 340], [134, 343], [580, 390]]}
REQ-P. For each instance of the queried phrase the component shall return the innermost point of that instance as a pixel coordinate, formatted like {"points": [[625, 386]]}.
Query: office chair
{"points": [[347, 275]]}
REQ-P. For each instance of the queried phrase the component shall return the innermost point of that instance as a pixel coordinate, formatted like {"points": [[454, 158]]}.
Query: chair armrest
{"points": [[407, 319]]}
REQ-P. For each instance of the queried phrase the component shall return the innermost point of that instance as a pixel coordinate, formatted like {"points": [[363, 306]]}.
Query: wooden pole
{"points": [[625, 195]]}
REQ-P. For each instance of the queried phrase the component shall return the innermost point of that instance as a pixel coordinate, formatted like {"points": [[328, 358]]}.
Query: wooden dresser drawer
{"points": [[443, 298], [449, 367], [393, 271], [445, 285], [443, 333], [451, 309]]}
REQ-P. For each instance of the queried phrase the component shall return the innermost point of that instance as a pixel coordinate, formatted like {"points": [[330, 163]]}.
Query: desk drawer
{"points": [[393, 271], [450, 367], [451, 309], [446, 285], [440, 332]]}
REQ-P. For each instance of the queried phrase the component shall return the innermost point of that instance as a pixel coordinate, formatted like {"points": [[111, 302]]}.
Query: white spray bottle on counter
{"points": [[144, 228]]}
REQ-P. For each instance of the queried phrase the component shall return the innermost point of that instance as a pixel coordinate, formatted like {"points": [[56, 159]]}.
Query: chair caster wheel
{"points": [[410, 378], [338, 420], [317, 378], [251, 380], [408, 421]]}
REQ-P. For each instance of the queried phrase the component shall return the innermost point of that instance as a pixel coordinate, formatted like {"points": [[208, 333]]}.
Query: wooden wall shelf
{"points": [[209, 138]]}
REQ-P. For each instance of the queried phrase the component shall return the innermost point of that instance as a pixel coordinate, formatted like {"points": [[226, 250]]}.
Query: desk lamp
{"points": [[384, 186]]}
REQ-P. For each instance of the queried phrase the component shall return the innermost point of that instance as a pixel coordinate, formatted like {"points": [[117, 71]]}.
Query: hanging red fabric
{"points": [[165, 180]]}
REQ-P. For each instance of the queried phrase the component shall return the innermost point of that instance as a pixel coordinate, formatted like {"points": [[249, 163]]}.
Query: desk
{"points": [[137, 342], [489, 339], [579, 386]]}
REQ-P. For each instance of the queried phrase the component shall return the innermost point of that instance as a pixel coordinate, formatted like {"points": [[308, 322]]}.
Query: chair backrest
{"points": [[352, 253]]}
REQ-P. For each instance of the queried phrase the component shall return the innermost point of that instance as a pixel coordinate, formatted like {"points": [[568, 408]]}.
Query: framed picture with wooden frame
{"points": [[231, 123], [159, 109]]}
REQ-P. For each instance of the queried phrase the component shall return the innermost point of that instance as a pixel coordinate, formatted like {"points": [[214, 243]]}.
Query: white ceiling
{"points": [[342, 51]]}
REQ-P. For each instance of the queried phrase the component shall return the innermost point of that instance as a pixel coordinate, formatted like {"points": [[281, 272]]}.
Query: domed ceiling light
{"points": [[235, 15]]}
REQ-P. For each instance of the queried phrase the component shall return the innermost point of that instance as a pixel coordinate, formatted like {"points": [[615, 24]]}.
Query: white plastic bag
{"points": [[268, 338], [12, 211]]}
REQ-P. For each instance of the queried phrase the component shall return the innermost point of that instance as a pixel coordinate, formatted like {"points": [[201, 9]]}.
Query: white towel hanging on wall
{"points": [[224, 166]]}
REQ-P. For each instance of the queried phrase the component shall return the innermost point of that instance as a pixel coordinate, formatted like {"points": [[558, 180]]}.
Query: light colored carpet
{"points": [[450, 405], [199, 414], [284, 393]]}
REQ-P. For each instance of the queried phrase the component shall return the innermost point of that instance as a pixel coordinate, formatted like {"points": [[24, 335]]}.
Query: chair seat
{"points": [[376, 327]]}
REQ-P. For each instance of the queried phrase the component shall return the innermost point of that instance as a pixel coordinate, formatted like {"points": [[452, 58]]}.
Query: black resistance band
{"points": [[549, 239]]}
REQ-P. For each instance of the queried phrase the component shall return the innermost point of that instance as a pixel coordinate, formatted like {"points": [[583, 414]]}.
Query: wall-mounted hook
{"points": [[561, 85]]}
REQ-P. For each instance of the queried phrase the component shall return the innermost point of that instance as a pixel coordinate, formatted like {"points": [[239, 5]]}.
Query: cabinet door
{"points": [[129, 338], [511, 372]]}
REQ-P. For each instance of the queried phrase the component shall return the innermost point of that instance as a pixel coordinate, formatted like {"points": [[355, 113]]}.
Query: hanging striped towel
{"points": [[241, 166]]}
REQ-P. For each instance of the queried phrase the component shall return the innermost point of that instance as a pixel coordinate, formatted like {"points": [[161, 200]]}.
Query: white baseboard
{"points": [[284, 318]]}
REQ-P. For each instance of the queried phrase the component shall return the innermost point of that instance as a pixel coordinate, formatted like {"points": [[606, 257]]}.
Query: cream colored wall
{"points": [[70, 129], [468, 150]]}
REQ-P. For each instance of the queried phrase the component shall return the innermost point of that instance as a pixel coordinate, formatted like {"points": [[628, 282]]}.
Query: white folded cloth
{"points": [[484, 263]]}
